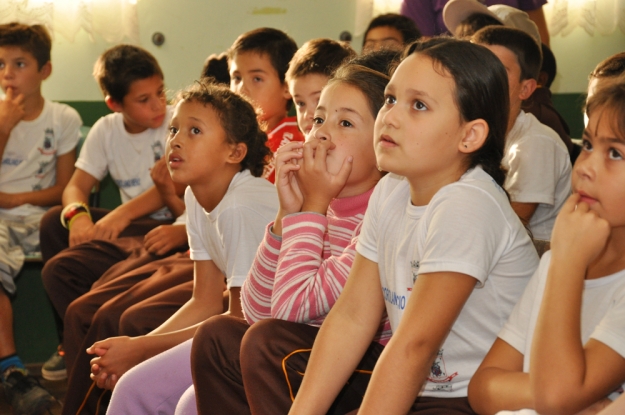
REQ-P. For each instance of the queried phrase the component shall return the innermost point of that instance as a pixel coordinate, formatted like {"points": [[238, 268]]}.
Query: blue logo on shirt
{"points": [[128, 183]]}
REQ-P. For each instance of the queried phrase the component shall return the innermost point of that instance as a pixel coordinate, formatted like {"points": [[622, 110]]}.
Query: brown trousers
{"points": [[69, 273], [264, 377], [220, 371], [132, 303]]}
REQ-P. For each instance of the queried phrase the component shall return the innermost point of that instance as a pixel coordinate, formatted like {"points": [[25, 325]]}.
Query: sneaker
{"points": [[54, 368], [25, 394]]}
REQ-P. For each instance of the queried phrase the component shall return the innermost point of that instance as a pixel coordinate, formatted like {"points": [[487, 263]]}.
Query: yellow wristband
{"points": [[79, 214]]}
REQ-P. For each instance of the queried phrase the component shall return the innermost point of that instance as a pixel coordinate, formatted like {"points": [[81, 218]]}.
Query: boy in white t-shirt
{"points": [[538, 163], [128, 145], [37, 143]]}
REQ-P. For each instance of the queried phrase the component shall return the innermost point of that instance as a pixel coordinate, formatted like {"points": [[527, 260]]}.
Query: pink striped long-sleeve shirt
{"points": [[299, 277]]}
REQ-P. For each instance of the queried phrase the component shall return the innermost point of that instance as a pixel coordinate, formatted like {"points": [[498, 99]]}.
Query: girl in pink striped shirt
{"points": [[303, 262]]}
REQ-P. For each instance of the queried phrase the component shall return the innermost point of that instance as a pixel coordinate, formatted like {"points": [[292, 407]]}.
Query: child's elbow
{"points": [[553, 402]]}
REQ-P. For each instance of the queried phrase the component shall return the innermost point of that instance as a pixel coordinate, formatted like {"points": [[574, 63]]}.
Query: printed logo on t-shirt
{"points": [[128, 183], [157, 149], [41, 172], [394, 299], [438, 374], [414, 269], [12, 161], [48, 147]]}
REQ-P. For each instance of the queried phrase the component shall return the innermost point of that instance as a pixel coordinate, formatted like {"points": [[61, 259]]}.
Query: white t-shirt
{"points": [[468, 227], [539, 171], [603, 315], [29, 159], [231, 233], [109, 148]]}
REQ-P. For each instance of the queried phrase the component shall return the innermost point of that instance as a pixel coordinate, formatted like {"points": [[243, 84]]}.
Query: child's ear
{"points": [[285, 91], [475, 133], [46, 70], [112, 104], [528, 86], [238, 153]]}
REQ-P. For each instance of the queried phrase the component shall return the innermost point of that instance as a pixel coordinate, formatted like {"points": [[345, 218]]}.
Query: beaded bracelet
{"points": [[72, 211]]}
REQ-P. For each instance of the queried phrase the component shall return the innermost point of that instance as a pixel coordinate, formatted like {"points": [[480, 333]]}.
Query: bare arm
{"points": [[78, 190], [538, 17], [406, 361], [110, 226], [343, 339], [499, 383], [524, 211], [46, 197], [118, 354], [585, 373]]}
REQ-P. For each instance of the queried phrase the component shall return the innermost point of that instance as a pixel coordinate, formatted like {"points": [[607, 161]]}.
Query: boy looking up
{"points": [[309, 71], [128, 144], [37, 143], [258, 61], [538, 164], [389, 31]]}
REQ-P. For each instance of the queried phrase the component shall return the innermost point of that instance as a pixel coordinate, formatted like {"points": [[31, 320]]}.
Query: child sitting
{"points": [[258, 62], [128, 144], [563, 348], [216, 146], [389, 31], [309, 71], [304, 259], [538, 163], [37, 147], [441, 250]]}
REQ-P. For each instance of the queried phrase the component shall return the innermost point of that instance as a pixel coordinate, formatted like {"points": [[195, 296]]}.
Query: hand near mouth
{"points": [[11, 112], [579, 234], [317, 184]]}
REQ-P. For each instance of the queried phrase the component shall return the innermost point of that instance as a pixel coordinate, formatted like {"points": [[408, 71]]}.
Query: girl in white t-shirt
{"points": [[217, 148], [563, 349], [441, 250]]}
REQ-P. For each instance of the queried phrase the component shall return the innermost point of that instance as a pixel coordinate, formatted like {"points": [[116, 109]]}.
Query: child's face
{"points": [[418, 131], [383, 37], [253, 76], [306, 91], [599, 172], [19, 72], [196, 146], [517, 88], [343, 117], [143, 106]]}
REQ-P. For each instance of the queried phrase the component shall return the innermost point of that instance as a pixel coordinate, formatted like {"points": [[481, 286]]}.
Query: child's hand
{"points": [[162, 180], [11, 112], [318, 186], [164, 238], [579, 234], [110, 226], [8, 201], [81, 231], [115, 356], [286, 165]]}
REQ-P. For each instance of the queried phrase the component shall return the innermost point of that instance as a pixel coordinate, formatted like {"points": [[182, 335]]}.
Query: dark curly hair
{"points": [[238, 119]]}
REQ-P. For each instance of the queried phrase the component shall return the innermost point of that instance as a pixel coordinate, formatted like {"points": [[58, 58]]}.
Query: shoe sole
{"points": [[54, 375]]}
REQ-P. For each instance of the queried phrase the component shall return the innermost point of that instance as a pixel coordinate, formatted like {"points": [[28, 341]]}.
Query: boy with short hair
{"points": [[538, 164], [389, 31], [309, 71], [128, 144], [258, 61], [37, 143]]}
